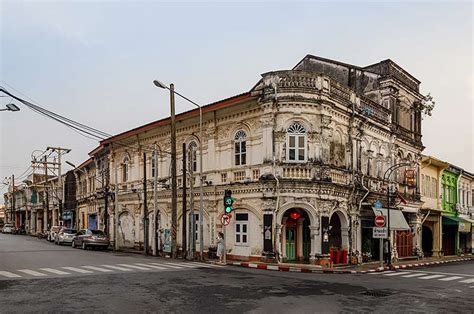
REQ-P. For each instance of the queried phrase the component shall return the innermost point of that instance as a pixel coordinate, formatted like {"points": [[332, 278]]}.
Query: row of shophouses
{"points": [[304, 152]]}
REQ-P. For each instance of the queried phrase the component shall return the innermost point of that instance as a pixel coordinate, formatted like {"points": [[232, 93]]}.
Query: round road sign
{"points": [[380, 221], [225, 219]]}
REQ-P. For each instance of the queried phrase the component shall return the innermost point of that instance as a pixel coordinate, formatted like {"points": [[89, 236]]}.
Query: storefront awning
{"points": [[397, 220], [464, 224]]}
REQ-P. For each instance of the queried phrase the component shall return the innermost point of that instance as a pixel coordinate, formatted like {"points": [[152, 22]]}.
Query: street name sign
{"points": [[380, 233], [380, 221]]}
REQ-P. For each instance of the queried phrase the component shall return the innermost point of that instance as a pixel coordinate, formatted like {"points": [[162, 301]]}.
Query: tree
{"points": [[426, 105]]}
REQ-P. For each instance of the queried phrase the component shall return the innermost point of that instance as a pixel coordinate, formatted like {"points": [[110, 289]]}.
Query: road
{"points": [[37, 276]]}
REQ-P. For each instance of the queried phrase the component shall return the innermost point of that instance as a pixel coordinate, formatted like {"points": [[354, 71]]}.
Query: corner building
{"points": [[304, 153]]}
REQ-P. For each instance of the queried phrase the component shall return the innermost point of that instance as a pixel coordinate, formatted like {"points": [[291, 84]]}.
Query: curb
{"points": [[341, 271]]}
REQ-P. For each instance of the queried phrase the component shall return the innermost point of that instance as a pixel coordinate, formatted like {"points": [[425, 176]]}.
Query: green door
{"points": [[290, 243]]}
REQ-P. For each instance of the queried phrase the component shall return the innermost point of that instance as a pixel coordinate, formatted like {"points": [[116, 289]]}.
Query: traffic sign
{"points": [[379, 233], [380, 221], [225, 219]]}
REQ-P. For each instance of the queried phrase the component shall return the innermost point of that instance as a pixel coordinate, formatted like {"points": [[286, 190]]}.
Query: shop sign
{"points": [[380, 233], [464, 226]]}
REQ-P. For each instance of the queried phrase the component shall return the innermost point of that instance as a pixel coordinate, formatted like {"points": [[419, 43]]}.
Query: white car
{"points": [[65, 235], [52, 233], [7, 228]]}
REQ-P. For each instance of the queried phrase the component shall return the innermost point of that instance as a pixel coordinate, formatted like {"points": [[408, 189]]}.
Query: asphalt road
{"points": [[37, 276]]}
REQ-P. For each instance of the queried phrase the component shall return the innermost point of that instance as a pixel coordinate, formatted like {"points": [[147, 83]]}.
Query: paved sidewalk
{"points": [[351, 269]]}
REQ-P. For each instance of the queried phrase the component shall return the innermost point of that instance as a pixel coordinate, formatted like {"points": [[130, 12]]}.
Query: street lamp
{"points": [[201, 201], [10, 107], [386, 176]]}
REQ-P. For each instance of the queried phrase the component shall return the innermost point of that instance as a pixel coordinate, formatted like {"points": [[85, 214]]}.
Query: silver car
{"points": [[65, 235], [7, 228]]}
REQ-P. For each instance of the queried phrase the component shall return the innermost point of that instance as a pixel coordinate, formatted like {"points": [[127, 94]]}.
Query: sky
{"points": [[94, 61]]}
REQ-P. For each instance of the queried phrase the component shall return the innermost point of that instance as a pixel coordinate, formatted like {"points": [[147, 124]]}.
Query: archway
{"points": [[427, 241], [296, 239], [335, 234], [127, 229]]}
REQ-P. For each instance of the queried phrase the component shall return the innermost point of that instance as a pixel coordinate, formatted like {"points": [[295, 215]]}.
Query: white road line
{"points": [[78, 270], [397, 274], [117, 268], [152, 266], [9, 274], [440, 273], [55, 271], [413, 275], [181, 265], [450, 278], [134, 266], [431, 277], [206, 265], [382, 273], [166, 265], [98, 269], [468, 280], [32, 272]]}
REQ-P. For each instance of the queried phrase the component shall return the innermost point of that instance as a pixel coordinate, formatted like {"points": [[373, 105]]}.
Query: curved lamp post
{"points": [[201, 202], [386, 177], [10, 107]]}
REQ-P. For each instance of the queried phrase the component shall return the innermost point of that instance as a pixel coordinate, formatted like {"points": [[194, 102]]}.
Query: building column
{"points": [[283, 237], [278, 246], [315, 239], [45, 219], [345, 238], [299, 225]]}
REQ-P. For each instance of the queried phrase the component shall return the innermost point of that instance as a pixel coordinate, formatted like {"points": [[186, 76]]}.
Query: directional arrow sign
{"points": [[225, 219]]}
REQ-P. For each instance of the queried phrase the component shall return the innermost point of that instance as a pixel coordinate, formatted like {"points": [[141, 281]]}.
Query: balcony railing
{"points": [[297, 172]]}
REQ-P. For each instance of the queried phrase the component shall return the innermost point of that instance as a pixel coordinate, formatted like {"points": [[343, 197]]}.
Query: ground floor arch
{"points": [[296, 235], [427, 241]]}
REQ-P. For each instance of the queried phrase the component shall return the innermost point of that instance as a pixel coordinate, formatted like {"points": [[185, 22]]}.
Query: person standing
{"points": [[220, 247]]}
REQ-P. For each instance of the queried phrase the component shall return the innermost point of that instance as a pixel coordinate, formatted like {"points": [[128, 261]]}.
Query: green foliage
{"points": [[426, 106]]}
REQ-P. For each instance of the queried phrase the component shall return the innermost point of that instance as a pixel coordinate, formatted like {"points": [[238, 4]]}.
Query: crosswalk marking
{"points": [[9, 274], [450, 278], [182, 265], [166, 265], [413, 275], [32, 272], [134, 266], [385, 272], [431, 277], [78, 270], [117, 267], [206, 265], [55, 271], [104, 270], [468, 280], [152, 266], [396, 274]]}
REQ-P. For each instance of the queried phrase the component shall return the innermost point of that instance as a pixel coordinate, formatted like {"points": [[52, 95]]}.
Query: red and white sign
{"points": [[225, 219], [380, 221]]}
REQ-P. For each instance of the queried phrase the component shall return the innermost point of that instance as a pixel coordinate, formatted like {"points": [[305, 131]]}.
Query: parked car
{"points": [[86, 238], [52, 232], [65, 235], [7, 228]]}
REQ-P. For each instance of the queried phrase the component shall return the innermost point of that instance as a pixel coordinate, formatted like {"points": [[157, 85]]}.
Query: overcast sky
{"points": [[94, 61]]}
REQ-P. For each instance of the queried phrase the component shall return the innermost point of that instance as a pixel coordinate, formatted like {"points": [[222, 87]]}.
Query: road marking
{"points": [[134, 266], [431, 277], [9, 274], [55, 271], [450, 278], [381, 273], [166, 265], [397, 274], [468, 280], [152, 266], [206, 265], [32, 272], [98, 269], [413, 275], [440, 273], [117, 268], [78, 270], [181, 265]]}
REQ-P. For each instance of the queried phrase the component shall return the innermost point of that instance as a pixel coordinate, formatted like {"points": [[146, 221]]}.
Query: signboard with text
{"points": [[379, 233]]}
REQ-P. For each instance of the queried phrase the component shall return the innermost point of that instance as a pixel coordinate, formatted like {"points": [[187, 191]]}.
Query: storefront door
{"points": [[291, 241]]}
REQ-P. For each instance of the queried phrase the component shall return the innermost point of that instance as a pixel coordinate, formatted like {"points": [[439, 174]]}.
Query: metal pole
{"points": [[388, 223], [155, 201], [192, 220], [201, 202], [116, 212], [174, 192], [183, 229], [381, 252], [145, 208], [225, 248], [13, 218]]}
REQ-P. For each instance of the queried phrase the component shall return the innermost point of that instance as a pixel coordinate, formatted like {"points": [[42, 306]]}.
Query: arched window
{"points": [[154, 169], [125, 165], [192, 155], [240, 148], [296, 143]]}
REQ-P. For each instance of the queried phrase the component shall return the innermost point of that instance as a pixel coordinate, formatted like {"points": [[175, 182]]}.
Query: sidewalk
{"points": [[351, 269]]}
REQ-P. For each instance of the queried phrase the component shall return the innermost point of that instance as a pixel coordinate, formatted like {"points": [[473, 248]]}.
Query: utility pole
{"points": [[145, 208], [116, 212], [183, 231], [155, 204], [174, 192], [192, 222], [46, 211], [13, 215], [60, 151]]}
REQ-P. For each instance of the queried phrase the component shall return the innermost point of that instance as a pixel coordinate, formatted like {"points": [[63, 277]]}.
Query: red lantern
{"points": [[295, 215]]}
